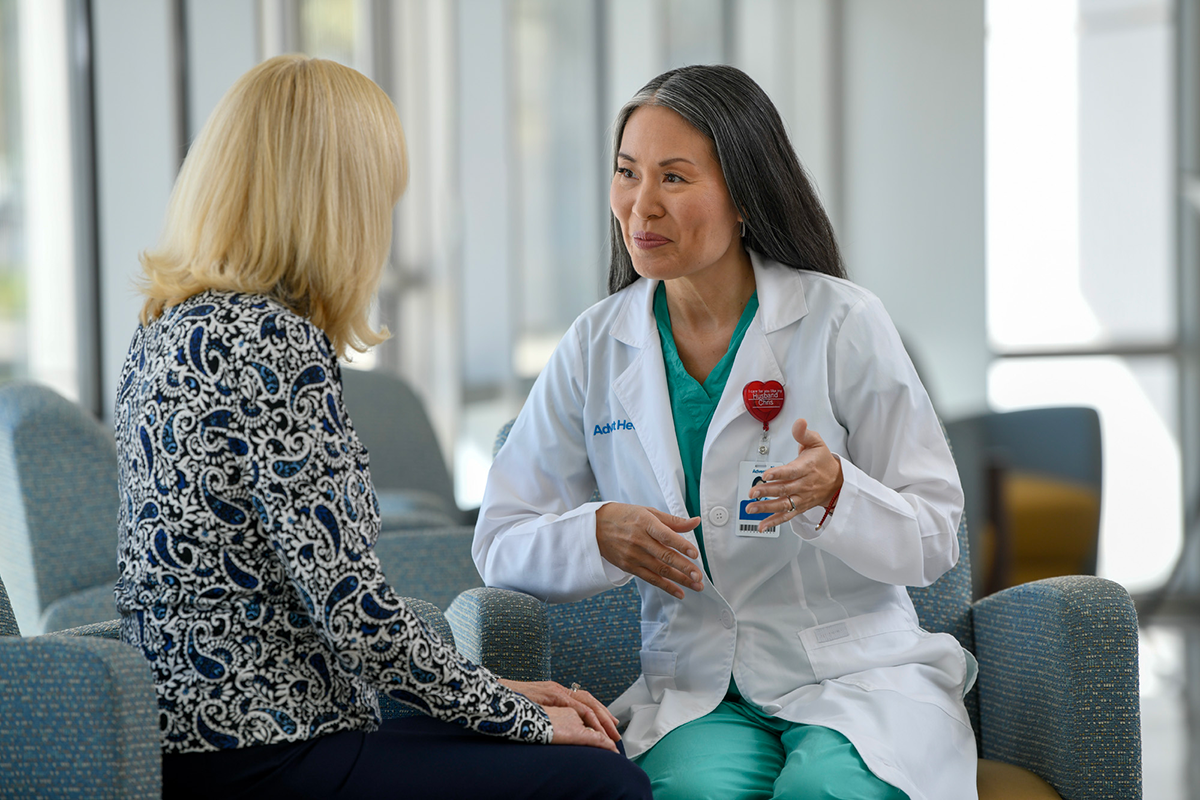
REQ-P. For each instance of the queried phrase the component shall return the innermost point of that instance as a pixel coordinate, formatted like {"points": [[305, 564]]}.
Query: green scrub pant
{"points": [[737, 753]]}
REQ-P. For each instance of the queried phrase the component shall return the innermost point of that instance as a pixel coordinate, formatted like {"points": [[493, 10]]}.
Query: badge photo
{"points": [[750, 474]]}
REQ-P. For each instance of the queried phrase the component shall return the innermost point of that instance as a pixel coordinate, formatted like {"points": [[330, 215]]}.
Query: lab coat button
{"points": [[719, 515], [727, 618]]}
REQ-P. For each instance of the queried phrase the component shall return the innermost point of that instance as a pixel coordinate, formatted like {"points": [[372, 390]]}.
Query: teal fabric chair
{"points": [[411, 478], [1060, 442], [78, 717], [58, 506], [1057, 693], [58, 501], [431, 563]]}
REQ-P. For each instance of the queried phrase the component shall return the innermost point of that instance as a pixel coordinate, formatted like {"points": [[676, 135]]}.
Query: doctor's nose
{"points": [[646, 203]]}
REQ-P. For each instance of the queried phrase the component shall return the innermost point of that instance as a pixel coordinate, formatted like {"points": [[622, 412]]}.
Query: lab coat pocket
{"points": [[658, 667], [649, 631], [869, 641]]}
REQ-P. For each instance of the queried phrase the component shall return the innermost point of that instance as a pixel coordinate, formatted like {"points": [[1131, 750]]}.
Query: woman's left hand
{"points": [[549, 694], [806, 482]]}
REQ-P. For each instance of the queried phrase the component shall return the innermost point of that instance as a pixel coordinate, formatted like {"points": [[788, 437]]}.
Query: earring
{"points": [[743, 229]]}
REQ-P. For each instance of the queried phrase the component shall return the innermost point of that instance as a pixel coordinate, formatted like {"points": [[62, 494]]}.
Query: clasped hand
{"points": [[576, 716], [646, 542]]}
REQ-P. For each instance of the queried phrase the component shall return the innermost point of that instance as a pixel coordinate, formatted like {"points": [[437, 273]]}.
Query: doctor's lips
{"points": [[645, 240]]}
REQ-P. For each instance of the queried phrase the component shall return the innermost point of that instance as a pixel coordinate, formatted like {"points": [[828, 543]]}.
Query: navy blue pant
{"points": [[412, 757]]}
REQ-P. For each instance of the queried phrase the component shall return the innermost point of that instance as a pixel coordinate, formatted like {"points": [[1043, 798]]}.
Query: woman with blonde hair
{"points": [[247, 515]]}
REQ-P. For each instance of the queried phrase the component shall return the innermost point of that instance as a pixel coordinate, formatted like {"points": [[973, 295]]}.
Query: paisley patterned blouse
{"points": [[247, 523]]}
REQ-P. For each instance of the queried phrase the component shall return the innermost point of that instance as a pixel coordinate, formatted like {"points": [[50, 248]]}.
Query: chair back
{"points": [[1048, 459], [431, 563], [407, 466], [945, 605], [58, 500], [595, 641]]}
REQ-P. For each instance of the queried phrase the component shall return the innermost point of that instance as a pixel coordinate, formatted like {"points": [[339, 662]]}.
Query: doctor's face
{"points": [[669, 195]]}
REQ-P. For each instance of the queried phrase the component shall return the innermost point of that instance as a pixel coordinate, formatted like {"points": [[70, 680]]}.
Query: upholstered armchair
{"points": [[412, 481], [58, 502], [1057, 694], [79, 716], [1055, 708], [1033, 480]]}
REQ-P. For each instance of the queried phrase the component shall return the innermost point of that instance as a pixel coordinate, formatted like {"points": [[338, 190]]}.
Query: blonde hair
{"points": [[287, 191]]}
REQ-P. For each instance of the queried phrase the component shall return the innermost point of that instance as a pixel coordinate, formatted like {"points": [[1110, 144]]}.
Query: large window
{"points": [[1082, 281], [559, 180], [46, 324], [12, 235]]}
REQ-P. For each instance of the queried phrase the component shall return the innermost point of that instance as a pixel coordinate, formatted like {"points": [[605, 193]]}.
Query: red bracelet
{"points": [[829, 508]]}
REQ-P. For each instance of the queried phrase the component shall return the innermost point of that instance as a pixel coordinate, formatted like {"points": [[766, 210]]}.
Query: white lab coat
{"points": [[816, 626]]}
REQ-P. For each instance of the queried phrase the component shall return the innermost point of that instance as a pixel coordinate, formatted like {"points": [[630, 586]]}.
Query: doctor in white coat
{"points": [[770, 469]]}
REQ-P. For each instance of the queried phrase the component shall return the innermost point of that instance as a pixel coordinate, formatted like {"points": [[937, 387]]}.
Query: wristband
{"points": [[829, 508]]}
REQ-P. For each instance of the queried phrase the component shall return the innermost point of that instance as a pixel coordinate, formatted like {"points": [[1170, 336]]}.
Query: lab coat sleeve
{"points": [[897, 516], [537, 528]]}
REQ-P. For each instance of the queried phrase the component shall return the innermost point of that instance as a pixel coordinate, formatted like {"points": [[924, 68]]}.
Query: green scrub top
{"points": [[693, 403], [692, 407]]}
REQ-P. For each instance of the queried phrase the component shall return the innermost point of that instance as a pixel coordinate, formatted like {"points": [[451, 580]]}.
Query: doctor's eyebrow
{"points": [[664, 163]]}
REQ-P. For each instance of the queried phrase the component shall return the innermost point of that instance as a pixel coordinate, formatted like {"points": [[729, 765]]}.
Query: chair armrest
{"points": [[1058, 684], [78, 716], [80, 608], [507, 632], [110, 629]]}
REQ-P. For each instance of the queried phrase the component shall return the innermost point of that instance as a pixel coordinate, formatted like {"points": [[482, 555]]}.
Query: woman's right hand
{"points": [[569, 728], [646, 543]]}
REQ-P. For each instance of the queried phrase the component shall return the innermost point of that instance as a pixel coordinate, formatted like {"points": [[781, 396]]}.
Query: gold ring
{"points": [[575, 687], [792, 502]]}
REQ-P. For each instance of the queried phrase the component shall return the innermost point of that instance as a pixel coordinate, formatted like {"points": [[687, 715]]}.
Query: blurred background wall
{"points": [[1011, 177]]}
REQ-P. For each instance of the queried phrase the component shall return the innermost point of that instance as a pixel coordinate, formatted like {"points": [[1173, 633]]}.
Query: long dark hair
{"points": [[784, 218]]}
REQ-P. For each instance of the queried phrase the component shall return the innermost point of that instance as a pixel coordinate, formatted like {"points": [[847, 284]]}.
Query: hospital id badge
{"points": [[750, 474]]}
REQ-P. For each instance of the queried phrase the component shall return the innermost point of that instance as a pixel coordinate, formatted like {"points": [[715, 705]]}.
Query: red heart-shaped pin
{"points": [[764, 401]]}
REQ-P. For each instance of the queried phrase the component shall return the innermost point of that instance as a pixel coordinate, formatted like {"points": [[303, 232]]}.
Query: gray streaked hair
{"points": [[784, 218]]}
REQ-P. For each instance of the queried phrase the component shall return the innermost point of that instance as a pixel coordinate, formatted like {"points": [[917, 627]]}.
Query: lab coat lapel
{"points": [[780, 303], [642, 389]]}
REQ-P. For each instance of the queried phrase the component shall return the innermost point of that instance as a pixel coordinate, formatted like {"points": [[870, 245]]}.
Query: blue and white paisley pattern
{"points": [[247, 524]]}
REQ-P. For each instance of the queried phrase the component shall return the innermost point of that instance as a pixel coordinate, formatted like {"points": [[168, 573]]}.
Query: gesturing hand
{"points": [[549, 694], [646, 543], [808, 481]]}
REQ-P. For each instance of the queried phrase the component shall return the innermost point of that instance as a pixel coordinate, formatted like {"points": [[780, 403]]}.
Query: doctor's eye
{"points": [[626, 172], [671, 177]]}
